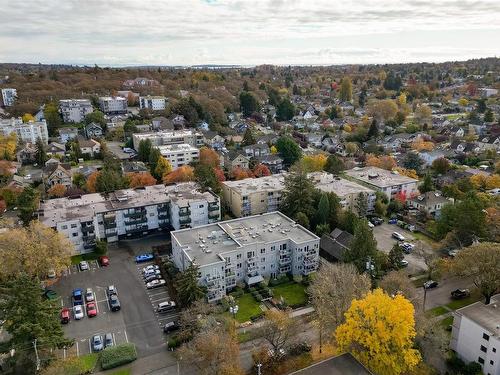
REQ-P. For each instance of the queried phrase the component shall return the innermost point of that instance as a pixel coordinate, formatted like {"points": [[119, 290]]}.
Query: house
{"points": [[429, 156], [257, 150], [269, 139], [204, 126], [179, 121], [27, 154], [56, 149], [430, 203], [134, 167], [57, 173], [464, 147], [67, 134], [234, 159], [314, 139], [343, 364], [213, 139], [475, 334], [89, 147], [273, 162], [161, 123], [489, 143], [334, 246], [93, 130], [236, 139]]}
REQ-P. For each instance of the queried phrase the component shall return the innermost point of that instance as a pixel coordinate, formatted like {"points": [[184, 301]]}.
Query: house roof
{"points": [[344, 364], [232, 154], [336, 243], [430, 198]]}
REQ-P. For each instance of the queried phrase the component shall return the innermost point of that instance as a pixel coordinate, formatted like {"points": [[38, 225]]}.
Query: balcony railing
{"points": [[140, 228], [109, 225], [184, 212], [310, 261], [87, 229], [138, 220], [213, 207], [285, 260], [284, 269], [111, 233], [135, 215], [213, 214], [184, 220]]}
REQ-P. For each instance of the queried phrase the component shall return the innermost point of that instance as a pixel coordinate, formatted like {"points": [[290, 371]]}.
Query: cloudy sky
{"points": [[247, 32]]}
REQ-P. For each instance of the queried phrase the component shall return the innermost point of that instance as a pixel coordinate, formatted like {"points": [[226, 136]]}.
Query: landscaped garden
{"points": [[248, 308], [294, 294]]}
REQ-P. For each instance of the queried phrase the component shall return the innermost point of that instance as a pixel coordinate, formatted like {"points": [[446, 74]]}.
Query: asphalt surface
{"points": [[441, 295]]}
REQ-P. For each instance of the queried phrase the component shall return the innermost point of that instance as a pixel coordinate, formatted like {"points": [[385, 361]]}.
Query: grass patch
{"points": [[422, 237], [125, 371], [89, 361], [248, 307], [420, 281], [446, 322], [75, 259], [245, 336], [294, 294], [457, 304], [437, 311]]}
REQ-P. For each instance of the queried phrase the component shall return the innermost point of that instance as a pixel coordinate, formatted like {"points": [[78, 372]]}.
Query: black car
{"points": [[151, 278], [430, 284], [460, 293], [114, 303], [170, 327], [376, 221]]}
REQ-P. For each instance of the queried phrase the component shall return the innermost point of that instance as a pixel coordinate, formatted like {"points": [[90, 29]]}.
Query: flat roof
{"points": [[205, 243], [379, 177], [330, 183], [344, 364], [487, 316], [184, 193], [178, 147], [250, 185]]}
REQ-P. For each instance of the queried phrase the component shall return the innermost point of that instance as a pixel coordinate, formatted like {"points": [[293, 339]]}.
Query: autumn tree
{"points": [[239, 173], [57, 191], [261, 170], [162, 168], [398, 282], [384, 161], [441, 165], [423, 114], [181, 174], [345, 92], [422, 145], [383, 110], [333, 288], [279, 330], [90, 185], [140, 179], [313, 163], [8, 144], [379, 331], [33, 250], [481, 262], [209, 157]]}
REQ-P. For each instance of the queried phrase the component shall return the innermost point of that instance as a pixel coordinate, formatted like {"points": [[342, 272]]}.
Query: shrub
{"points": [[115, 356], [258, 297], [283, 279], [174, 342], [237, 292]]}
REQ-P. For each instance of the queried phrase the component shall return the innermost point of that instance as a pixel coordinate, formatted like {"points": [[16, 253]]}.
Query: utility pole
{"points": [[37, 358], [259, 365]]}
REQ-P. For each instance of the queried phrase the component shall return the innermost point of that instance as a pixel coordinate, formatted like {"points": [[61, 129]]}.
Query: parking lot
{"points": [[137, 321]]}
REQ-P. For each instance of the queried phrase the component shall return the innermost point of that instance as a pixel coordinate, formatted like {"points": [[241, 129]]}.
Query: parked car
{"points": [[77, 297], [151, 267], [376, 221], [164, 307], [65, 316], [78, 312], [407, 247], [84, 266], [398, 236], [370, 224], [155, 284], [144, 258], [453, 253], [151, 272], [50, 294], [89, 295], [111, 290], [170, 327], [114, 303], [91, 309], [97, 344], [393, 221], [430, 284], [403, 263], [103, 261], [108, 340], [150, 278], [460, 293]]}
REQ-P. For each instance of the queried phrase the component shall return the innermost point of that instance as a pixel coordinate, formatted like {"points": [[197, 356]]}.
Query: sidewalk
{"points": [[294, 314]]}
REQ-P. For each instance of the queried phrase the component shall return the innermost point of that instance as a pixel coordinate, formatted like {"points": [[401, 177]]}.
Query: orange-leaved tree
{"points": [[140, 179], [181, 174]]}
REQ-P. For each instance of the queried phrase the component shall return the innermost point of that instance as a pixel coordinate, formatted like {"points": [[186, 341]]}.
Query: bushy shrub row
{"points": [[115, 356]]}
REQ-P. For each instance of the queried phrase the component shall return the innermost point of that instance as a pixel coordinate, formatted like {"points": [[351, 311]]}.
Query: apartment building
{"points": [[9, 96], [170, 137], [125, 213], [179, 154], [154, 103], [26, 132], [245, 250], [387, 182], [475, 334], [115, 105], [75, 110]]}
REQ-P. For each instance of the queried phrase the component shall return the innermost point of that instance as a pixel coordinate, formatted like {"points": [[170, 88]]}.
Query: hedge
{"points": [[115, 356]]}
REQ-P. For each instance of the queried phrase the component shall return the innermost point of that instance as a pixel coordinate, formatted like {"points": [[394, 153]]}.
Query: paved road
{"points": [[442, 294]]}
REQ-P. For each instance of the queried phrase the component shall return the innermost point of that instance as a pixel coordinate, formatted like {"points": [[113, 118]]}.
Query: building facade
{"points": [[9, 96], [245, 250], [126, 213], [154, 103], [27, 131], [75, 110], [169, 137], [475, 334], [115, 105], [179, 154]]}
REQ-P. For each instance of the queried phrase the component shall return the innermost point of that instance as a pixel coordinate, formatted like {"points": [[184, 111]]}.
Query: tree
{"points": [[163, 167], [313, 163], [334, 164], [188, 288], [398, 282], [422, 145], [109, 180], [239, 173], [136, 180], [302, 219], [423, 114], [481, 261], [379, 330], [144, 150], [181, 174], [396, 256], [206, 177], [57, 191], [279, 330], [383, 110], [248, 103], [488, 116], [96, 117], [373, 131], [154, 156], [361, 204], [70, 365], [348, 221], [297, 195], [27, 202], [27, 117], [441, 165], [8, 144], [53, 118], [285, 110], [426, 185], [261, 170], [363, 246], [412, 161], [90, 185], [331, 292], [384, 161], [248, 138], [289, 150], [431, 260], [33, 251], [345, 93], [323, 210], [210, 157], [41, 152]]}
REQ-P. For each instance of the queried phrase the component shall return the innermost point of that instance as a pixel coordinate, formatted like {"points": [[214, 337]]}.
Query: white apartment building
{"points": [[115, 105], [126, 213], [155, 103], [170, 137], [9, 96], [387, 182], [475, 334], [245, 250], [26, 132], [179, 154], [75, 110]]}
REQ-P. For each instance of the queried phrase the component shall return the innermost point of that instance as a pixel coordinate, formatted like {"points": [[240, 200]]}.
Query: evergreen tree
{"points": [[248, 138], [53, 118], [334, 210], [363, 246], [297, 195], [187, 286], [285, 110], [154, 156], [248, 103], [345, 93], [488, 116], [27, 202], [41, 153], [426, 185], [323, 211], [289, 150], [110, 180], [396, 256], [144, 151], [361, 205], [206, 177], [334, 164], [322, 229], [412, 161], [348, 221], [302, 219], [373, 130]]}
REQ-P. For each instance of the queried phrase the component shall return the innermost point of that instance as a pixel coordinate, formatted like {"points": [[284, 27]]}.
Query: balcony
{"points": [[310, 261], [308, 269], [213, 214], [230, 274], [109, 225], [284, 269], [87, 229], [138, 220], [138, 229], [89, 237], [113, 233], [184, 220], [163, 216], [213, 207], [135, 214], [88, 245], [285, 260], [184, 212], [285, 252]]}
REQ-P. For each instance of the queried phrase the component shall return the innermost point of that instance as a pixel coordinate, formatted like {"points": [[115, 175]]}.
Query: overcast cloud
{"points": [[187, 32]]}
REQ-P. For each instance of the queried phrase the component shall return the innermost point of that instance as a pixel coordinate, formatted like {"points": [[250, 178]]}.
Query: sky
{"points": [[247, 32]]}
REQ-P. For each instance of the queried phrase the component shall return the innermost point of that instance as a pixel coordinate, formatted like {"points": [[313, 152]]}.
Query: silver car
{"points": [[97, 343]]}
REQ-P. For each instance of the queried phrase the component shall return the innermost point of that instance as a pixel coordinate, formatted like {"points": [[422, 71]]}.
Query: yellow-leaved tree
{"points": [[379, 330], [313, 163]]}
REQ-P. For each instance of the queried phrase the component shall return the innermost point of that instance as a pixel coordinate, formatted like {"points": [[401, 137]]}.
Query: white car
{"points": [[84, 266], [404, 263], [370, 224], [398, 236], [151, 267], [78, 312], [155, 284], [89, 295], [151, 273]]}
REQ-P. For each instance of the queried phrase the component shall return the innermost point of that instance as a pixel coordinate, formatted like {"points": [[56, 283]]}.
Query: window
{"points": [[238, 256], [262, 251], [73, 225], [75, 234], [486, 337], [480, 360], [492, 363], [494, 350], [201, 206], [238, 265], [273, 248], [64, 227], [483, 348], [262, 260]]}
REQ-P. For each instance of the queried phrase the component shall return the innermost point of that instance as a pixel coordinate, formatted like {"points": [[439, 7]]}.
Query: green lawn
{"points": [[125, 371], [245, 336], [446, 322], [89, 361], [247, 308], [75, 259], [457, 304], [420, 281], [293, 293], [437, 311]]}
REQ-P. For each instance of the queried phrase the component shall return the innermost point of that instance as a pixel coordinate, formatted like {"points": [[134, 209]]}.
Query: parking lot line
{"points": [[157, 294], [160, 299], [114, 339], [126, 337], [90, 346], [77, 349]]}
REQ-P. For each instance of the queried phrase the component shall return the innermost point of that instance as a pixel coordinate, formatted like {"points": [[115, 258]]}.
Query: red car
{"points": [[91, 309], [104, 261], [65, 317]]}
